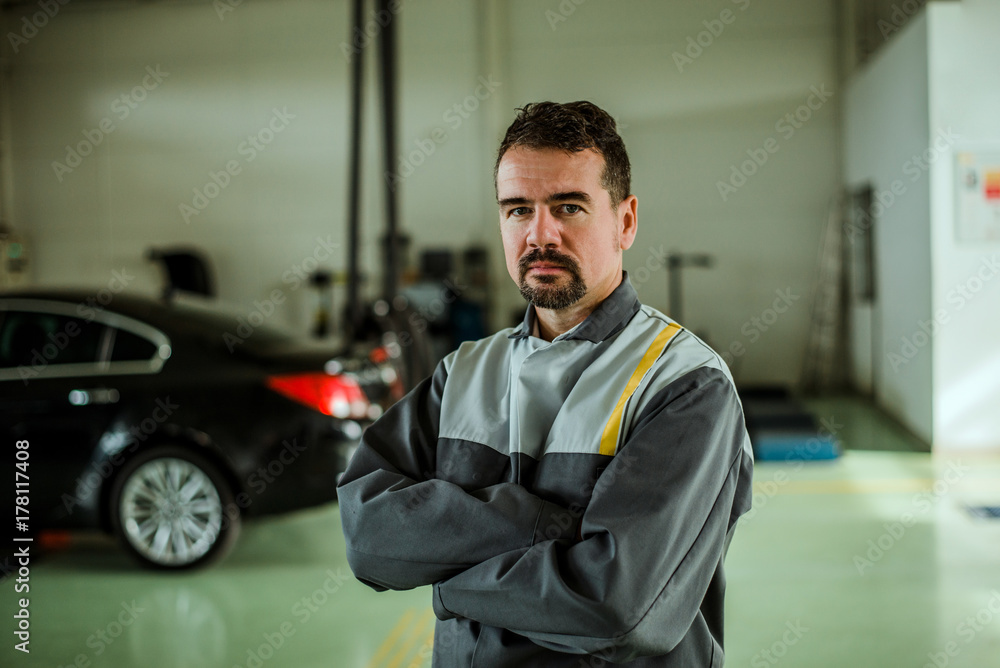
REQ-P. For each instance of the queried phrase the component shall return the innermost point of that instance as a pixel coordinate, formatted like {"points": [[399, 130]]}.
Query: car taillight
{"points": [[338, 396]]}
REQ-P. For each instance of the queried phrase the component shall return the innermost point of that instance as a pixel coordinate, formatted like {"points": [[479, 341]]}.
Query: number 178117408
{"points": [[21, 481]]}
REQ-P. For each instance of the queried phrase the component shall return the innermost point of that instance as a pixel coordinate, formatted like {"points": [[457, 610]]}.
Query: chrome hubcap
{"points": [[171, 511]]}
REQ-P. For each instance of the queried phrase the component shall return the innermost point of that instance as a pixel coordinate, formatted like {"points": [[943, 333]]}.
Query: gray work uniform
{"points": [[571, 502]]}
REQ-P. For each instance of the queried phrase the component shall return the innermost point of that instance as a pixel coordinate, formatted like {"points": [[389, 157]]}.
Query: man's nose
{"points": [[544, 230]]}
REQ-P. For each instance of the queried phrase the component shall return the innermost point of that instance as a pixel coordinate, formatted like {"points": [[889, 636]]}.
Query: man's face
{"points": [[562, 237]]}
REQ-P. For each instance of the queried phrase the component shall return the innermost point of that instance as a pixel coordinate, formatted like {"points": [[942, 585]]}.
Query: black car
{"points": [[167, 423]]}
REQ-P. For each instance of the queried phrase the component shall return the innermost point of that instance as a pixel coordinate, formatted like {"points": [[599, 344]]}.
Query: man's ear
{"points": [[628, 220]]}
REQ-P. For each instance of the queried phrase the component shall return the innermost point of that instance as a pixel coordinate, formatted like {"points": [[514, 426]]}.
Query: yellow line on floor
{"points": [[413, 637], [428, 643], [873, 486], [422, 653], [390, 640]]}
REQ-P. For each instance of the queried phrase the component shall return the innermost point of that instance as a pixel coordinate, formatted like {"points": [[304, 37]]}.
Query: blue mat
{"points": [[985, 512], [805, 446]]}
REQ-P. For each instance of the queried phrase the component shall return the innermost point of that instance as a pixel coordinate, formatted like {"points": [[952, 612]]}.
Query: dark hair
{"points": [[572, 127]]}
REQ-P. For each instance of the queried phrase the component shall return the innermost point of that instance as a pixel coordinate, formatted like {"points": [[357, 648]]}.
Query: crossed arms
{"points": [[625, 576]]}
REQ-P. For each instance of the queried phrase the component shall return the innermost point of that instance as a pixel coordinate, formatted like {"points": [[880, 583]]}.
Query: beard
{"points": [[549, 294]]}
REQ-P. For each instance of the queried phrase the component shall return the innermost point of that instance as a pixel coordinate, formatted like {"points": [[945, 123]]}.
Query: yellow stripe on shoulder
{"points": [[609, 439]]}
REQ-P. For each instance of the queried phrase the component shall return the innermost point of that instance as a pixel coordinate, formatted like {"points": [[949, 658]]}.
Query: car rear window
{"points": [[39, 339], [130, 347]]}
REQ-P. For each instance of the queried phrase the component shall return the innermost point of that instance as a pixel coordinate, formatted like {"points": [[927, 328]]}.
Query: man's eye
{"points": [[519, 211], [572, 208]]}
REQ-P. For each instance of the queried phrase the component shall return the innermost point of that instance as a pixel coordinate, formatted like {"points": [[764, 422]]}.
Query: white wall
{"points": [[684, 129], [226, 76], [885, 124], [965, 96], [931, 92]]}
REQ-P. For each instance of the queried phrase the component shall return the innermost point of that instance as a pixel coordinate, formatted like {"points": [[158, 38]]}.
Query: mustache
{"points": [[549, 256]]}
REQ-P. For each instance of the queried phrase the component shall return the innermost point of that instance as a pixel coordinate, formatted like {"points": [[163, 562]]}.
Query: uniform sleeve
{"points": [[406, 528], [653, 536]]}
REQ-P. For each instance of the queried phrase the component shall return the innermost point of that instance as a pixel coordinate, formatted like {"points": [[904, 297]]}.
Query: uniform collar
{"points": [[609, 318]]}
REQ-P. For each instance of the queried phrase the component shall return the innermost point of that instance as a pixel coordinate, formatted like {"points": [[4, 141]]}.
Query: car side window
{"points": [[30, 338], [129, 347]]}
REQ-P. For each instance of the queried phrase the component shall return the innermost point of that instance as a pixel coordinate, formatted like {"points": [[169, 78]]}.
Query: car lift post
{"points": [[387, 79], [353, 320]]}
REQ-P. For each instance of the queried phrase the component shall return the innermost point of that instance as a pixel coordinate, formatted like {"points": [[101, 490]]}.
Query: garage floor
{"points": [[869, 561]]}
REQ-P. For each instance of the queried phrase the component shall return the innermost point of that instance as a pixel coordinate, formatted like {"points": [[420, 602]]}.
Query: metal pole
{"points": [[388, 71], [353, 319]]}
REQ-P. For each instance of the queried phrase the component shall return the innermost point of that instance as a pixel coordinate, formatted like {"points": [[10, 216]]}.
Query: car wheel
{"points": [[172, 509]]}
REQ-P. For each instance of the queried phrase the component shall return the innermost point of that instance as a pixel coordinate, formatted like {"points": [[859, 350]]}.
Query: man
{"points": [[569, 487]]}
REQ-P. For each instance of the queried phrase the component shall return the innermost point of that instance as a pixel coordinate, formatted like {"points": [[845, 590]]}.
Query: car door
{"points": [[65, 383], [53, 394]]}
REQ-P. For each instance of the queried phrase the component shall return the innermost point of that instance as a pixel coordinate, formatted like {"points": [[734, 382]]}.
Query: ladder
{"points": [[825, 364]]}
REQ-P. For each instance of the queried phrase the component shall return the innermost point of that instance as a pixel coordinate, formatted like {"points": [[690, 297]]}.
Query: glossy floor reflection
{"points": [[873, 560], [868, 561]]}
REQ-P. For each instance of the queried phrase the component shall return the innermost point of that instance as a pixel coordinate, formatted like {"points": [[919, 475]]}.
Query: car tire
{"points": [[172, 509]]}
